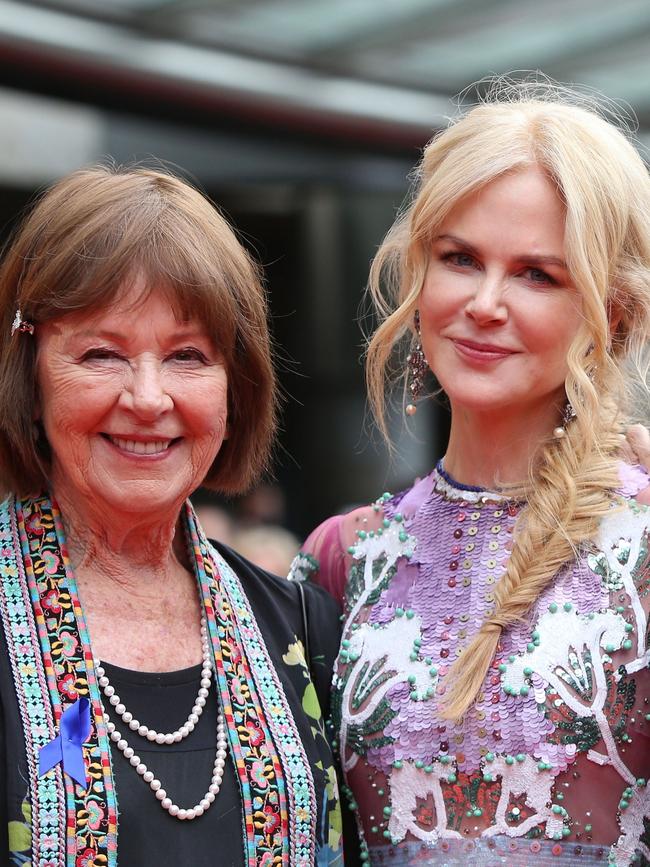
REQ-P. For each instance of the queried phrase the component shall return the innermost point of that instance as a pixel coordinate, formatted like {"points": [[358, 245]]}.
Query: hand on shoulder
{"points": [[636, 449]]}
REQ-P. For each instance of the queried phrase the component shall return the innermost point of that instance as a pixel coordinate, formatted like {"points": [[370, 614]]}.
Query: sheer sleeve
{"points": [[324, 557]]}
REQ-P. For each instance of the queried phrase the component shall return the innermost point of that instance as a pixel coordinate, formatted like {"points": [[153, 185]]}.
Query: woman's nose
{"points": [[487, 303], [146, 395]]}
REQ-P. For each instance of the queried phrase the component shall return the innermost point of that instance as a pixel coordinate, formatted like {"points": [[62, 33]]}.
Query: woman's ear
{"points": [[614, 318]]}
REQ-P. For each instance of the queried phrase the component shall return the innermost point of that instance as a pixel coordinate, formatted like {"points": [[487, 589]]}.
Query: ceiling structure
{"points": [[386, 69]]}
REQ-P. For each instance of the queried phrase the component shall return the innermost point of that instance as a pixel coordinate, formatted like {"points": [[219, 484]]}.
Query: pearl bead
{"points": [[559, 432], [183, 814]]}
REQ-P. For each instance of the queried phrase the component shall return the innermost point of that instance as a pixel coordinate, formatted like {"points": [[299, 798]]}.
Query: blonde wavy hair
{"points": [[606, 190]]}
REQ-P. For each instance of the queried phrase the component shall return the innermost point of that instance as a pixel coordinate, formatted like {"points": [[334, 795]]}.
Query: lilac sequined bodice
{"points": [[553, 757], [463, 542]]}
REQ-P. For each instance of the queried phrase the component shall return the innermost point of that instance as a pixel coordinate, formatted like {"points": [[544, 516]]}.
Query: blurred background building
{"points": [[302, 120]]}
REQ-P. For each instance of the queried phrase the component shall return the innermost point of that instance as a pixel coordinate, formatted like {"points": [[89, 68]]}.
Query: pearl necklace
{"points": [[170, 737]]}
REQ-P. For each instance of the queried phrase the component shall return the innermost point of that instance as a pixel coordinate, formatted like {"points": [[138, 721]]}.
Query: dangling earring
{"points": [[567, 416], [417, 366], [569, 412]]}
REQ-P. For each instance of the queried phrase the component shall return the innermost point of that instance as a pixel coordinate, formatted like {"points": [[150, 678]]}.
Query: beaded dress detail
{"points": [[550, 764]]}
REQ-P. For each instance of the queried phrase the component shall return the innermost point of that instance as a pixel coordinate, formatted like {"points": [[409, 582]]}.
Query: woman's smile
{"points": [[481, 352], [141, 447]]}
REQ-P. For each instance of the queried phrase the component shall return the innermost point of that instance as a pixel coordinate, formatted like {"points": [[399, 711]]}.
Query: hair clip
{"points": [[20, 324]]}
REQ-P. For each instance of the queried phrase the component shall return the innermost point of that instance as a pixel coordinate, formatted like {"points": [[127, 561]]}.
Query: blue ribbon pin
{"points": [[66, 748]]}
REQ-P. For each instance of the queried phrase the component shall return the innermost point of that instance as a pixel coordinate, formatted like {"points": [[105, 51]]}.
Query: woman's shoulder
{"points": [[326, 555]]}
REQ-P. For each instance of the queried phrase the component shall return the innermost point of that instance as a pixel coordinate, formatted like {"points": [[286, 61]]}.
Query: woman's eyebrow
{"points": [[525, 258], [542, 259], [454, 239]]}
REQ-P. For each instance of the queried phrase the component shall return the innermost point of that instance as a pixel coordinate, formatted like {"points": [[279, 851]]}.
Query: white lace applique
{"points": [[407, 785], [382, 546], [524, 778], [568, 658], [632, 825], [623, 543], [380, 657], [302, 567]]}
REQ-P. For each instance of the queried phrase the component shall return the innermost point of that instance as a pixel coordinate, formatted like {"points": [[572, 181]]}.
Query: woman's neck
{"points": [[493, 450], [119, 545]]}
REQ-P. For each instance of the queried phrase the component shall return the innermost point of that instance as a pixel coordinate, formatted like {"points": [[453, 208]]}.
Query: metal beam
{"points": [[253, 85]]}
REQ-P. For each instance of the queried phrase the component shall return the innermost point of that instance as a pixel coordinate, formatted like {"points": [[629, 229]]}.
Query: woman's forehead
{"points": [[129, 312]]}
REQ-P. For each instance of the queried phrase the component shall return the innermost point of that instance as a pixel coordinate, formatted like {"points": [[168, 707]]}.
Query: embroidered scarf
{"points": [[52, 667]]}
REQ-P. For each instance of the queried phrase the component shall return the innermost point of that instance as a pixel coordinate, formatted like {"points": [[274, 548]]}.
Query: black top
{"points": [[147, 835]]}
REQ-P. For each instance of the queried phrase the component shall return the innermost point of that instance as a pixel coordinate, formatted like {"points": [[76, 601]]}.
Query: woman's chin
{"points": [[146, 497]]}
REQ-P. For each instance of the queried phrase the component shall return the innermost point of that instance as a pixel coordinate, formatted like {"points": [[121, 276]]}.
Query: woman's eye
{"points": [[99, 354], [462, 260], [536, 275], [189, 354]]}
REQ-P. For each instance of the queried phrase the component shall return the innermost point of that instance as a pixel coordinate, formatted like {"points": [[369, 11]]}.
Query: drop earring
{"points": [[567, 416], [417, 366]]}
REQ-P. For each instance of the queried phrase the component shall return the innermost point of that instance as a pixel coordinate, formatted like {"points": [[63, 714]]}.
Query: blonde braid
{"points": [[571, 493]]}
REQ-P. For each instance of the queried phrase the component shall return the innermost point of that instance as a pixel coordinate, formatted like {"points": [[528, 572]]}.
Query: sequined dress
{"points": [[550, 765]]}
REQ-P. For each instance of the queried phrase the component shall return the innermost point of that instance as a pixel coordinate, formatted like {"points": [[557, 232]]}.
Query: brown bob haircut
{"points": [[86, 238]]}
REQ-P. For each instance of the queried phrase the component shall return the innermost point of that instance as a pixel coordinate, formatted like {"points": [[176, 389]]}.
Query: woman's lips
{"points": [[481, 351], [149, 448]]}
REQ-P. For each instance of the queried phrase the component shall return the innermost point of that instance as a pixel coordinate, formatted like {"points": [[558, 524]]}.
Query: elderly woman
{"points": [[492, 692], [155, 701]]}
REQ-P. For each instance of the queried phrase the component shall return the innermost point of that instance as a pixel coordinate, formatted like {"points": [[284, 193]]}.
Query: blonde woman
{"points": [[492, 693]]}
